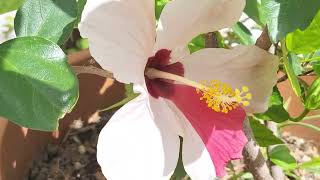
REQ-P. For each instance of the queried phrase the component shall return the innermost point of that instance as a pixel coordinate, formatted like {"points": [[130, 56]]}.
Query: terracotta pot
{"points": [[295, 109], [19, 146]]}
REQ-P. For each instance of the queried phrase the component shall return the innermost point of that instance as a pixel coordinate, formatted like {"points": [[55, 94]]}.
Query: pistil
{"points": [[220, 97]]}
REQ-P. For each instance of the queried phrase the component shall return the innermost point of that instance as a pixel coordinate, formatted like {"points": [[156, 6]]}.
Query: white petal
{"points": [[137, 145], [182, 20], [242, 66], [179, 53], [121, 35], [195, 156]]}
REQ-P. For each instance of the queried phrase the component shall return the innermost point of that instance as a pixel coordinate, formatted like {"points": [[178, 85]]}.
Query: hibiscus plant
{"points": [[198, 74]]}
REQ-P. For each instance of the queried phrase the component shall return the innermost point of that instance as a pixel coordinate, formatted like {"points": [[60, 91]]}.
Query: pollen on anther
{"points": [[221, 97]]}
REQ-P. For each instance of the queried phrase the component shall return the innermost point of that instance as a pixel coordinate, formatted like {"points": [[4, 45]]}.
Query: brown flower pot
{"points": [[295, 109], [19, 146]]}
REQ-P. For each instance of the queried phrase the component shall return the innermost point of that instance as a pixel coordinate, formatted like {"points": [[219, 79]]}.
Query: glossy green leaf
{"points": [[313, 97], [254, 11], [37, 85], [307, 41], [276, 111], [280, 155], [311, 166], [51, 19], [9, 5], [263, 135], [243, 33], [289, 70], [130, 95], [285, 16]]}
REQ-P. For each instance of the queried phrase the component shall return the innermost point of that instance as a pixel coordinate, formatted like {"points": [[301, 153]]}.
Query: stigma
{"points": [[221, 97]]}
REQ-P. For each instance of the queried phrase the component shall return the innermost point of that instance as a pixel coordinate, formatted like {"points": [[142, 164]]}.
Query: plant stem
{"points": [[154, 73], [301, 117], [299, 124]]}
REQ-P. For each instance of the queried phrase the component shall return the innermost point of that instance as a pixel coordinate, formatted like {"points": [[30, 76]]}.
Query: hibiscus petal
{"points": [[242, 66], [222, 134], [121, 35], [136, 144], [182, 20]]}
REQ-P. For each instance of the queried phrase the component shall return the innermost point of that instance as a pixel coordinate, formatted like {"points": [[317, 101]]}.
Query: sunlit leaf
{"points": [[276, 111], [9, 5], [37, 85], [263, 135], [243, 33], [280, 155], [303, 42], [313, 97], [285, 16], [51, 19]]}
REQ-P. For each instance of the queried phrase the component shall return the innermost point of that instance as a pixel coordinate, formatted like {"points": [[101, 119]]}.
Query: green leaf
{"points": [[280, 155], [263, 135], [159, 7], [37, 85], [316, 63], [197, 43], [81, 4], [313, 97], [311, 166], [294, 61], [51, 19], [179, 172], [254, 11], [130, 95], [285, 16], [307, 41], [9, 5], [289, 70], [243, 33], [276, 111]]}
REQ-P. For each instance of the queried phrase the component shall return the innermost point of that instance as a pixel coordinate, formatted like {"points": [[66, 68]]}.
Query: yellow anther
{"points": [[221, 97]]}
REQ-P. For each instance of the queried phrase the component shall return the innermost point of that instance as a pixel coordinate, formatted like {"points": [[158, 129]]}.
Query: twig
{"points": [[91, 70], [285, 77], [211, 40], [253, 157], [276, 171]]}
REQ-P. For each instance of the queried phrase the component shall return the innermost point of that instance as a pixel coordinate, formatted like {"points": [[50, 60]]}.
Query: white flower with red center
{"points": [[141, 140]]}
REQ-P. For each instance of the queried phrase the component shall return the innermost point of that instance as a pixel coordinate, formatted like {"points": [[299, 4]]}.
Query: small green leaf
{"points": [[311, 166], [263, 135], [243, 33], [130, 95], [280, 155], [307, 41], [159, 7], [313, 97], [276, 111], [51, 19], [37, 85], [197, 43], [9, 5], [285, 16]]}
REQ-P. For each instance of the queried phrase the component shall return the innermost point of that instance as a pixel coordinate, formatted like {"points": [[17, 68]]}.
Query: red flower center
{"points": [[161, 61]]}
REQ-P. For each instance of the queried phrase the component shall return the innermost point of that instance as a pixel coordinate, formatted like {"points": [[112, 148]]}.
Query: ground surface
{"points": [[75, 157]]}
